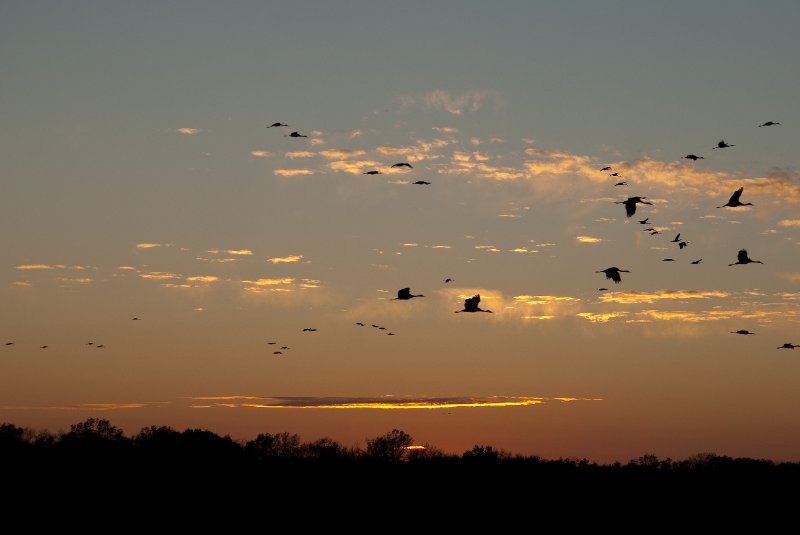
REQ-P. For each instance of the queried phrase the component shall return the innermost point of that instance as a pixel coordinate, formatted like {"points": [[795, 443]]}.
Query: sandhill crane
{"points": [[654, 232], [722, 145], [295, 134], [272, 343], [43, 347], [741, 331], [677, 238], [621, 183], [422, 183], [788, 345], [136, 319], [630, 204], [277, 352], [668, 260], [768, 123], [683, 244], [602, 289], [613, 273], [273, 125], [359, 323], [733, 202], [448, 280], [309, 329], [405, 293], [606, 168], [697, 261], [644, 221], [100, 346], [402, 164], [285, 347], [742, 258], [471, 305], [9, 343], [371, 173], [693, 157], [616, 175]]}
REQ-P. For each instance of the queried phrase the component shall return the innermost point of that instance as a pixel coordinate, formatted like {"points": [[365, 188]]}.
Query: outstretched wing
{"points": [[736, 195], [404, 293], [630, 207]]}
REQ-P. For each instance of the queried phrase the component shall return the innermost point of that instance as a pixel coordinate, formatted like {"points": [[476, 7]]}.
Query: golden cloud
{"points": [[543, 299], [292, 172], [240, 252], [588, 239], [84, 280], [789, 223], [35, 266], [260, 153], [341, 154], [354, 167], [286, 259], [299, 154], [270, 282], [441, 247], [601, 318], [634, 297], [22, 283], [158, 275], [202, 278], [149, 245], [187, 131]]}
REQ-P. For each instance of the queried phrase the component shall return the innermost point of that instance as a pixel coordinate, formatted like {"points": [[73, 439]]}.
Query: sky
{"points": [[140, 180]]}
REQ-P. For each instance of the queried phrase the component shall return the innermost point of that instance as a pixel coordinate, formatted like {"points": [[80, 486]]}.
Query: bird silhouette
{"points": [[650, 229], [309, 329], [606, 168], [381, 328], [9, 343], [273, 125], [734, 201], [89, 343], [295, 134], [602, 289], [371, 173], [677, 238], [402, 164], [722, 145], [405, 293], [136, 319], [697, 261], [100, 346], [693, 157], [768, 123], [644, 221], [448, 280], [654, 232], [741, 331], [471, 305], [616, 175], [359, 323], [788, 345], [613, 273], [43, 347], [621, 184], [683, 244], [742, 258], [422, 183], [668, 260], [272, 343], [277, 352], [285, 347], [630, 204]]}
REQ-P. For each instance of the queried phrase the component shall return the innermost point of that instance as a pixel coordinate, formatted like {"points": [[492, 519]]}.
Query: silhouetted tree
{"points": [[323, 449], [389, 447], [481, 454], [278, 446]]}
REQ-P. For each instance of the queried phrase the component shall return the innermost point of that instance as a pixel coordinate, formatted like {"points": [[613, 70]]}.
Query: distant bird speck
{"points": [[9, 343], [272, 343], [733, 202], [277, 352], [285, 347], [309, 329], [621, 184], [677, 238], [606, 168], [43, 347], [359, 323], [422, 183], [742, 258], [741, 331], [693, 157], [471, 305], [683, 244], [136, 319], [402, 164], [602, 289], [644, 221], [616, 175], [295, 134], [697, 261], [405, 293], [722, 145], [371, 173], [788, 346], [273, 125], [668, 260], [613, 273], [448, 280], [768, 123]]}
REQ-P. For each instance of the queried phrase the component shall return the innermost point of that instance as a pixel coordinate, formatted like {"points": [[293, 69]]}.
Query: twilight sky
{"points": [[139, 179]]}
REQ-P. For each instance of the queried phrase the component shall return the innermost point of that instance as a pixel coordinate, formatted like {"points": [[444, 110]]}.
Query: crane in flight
{"points": [[742, 258], [630, 204], [734, 201], [471, 305], [613, 273], [405, 293], [722, 145]]}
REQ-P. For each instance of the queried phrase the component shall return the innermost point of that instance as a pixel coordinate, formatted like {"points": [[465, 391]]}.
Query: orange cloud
{"points": [[240, 252], [149, 245], [35, 266], [588, 239], [634, 297], [341, 154], [286, 259], [601, 318], [299, 154], [202, 278], [187, 131], [292, 172], [260, 153], [354, 167]]}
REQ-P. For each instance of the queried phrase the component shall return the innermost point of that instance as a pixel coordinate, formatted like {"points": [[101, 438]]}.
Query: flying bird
{"points": [[683, 244], [602, 289], [742, 258], [621, 184], [295, 134], [693, 157], [722, 145], [654, 232], [359, 323], [616, 175], [9, 343], [100, 346], [613, 273], [630, 204], [471, 305], [402, 164], [277, 352], [741, 331], [668, 260], [381, 328], [405, 293], [448, 280], [677, 238], [273, 125], [788, 345], [285, 347], [272, 343], [768, 123], [422, 183], [136, 319], [697, 261], [644, 221], [43, 347], [734, 201], [309, 329], [371, 173], [606, 168]]}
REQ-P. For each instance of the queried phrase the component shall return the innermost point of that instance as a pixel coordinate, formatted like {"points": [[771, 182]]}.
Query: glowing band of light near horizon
{"points": [[376, 405]]}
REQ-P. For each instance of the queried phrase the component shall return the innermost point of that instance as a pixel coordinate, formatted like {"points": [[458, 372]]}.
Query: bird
{"points": [[381, 328], [616, 175], [668, 260], [621, 184], [295, 134], [390, 334], [100, 346], [734, 201], [405, 293], [359, 323], [285, 347], [697, 261], [9, 343], [277, 352], [309, 329], [683, 244], [677, 238], [606, 168], [768, 123], [613, 273], [402, 164], [43, 347], [448, 280], [644, 221], [650, 229], [376, 326], [788, 345], [742, 258], [722, 145], [630, 204], [471, 305], [741, 331], [693, 157], [277, 124], [371, 173], [602, 289], [272, 343], [422, 183], [654, 232], [136, 319]]}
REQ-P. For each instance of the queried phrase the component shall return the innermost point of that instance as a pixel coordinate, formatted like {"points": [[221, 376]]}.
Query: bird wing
{"points": [[742, 256], [404, 293], [735, 197], [630, 207]]}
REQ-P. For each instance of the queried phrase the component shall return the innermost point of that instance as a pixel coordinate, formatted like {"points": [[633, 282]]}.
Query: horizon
{"points": [[167, 248]]}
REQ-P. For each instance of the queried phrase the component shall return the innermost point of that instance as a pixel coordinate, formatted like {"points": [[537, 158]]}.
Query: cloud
{"points": [[445, 129], [126, 268], [187, 131], [35, 266], [354, 167], [601, 318], [22, 283], [355, 133], [469, 101], [285, 259], [292, 172], [202, 278], [543, 299], [299, 154], [538, 317], [240, 252], [149, 245], [260, 153], [158, 275], [83, 280], [634, 297], [341, 154], [314, 142], [793, 277], [693, 317], [441, 247], [270, 282], [410, 244], [376, 403], [588, 239], [789, 223]]}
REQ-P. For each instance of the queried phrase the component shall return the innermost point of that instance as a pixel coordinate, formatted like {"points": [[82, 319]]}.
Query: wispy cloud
{"points": [[601, 318], [77, 280], [635, 297], [239, 252], [354, 167], [159, 275], [789, 223], [445, 129], [260, 153], [588, 239], [187, 131], [341, 154], [455, 104], [35, 266], [544, 299], [286, 259], [149, 245], [270, 282], [292, 172], [202, 278], [299, 154]]}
